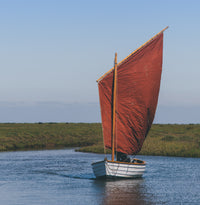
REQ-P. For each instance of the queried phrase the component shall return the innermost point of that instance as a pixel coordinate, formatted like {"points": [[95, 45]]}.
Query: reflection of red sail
{"points": [[138, 83]]}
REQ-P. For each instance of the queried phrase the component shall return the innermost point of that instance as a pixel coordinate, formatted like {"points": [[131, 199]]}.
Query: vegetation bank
{"points": [[162, 140]]}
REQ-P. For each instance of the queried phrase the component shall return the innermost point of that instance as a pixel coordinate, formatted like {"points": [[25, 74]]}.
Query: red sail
{"points": [[138, 84]]}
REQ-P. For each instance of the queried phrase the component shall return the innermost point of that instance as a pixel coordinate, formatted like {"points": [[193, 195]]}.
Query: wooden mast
{"points": [[114, 108]]}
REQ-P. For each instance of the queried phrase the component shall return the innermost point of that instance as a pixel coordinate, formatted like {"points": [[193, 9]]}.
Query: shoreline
{"points": [[178, 140]]}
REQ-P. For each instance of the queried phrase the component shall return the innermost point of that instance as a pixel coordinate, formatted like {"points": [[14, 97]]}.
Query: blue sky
{"points": [[52, 52]]}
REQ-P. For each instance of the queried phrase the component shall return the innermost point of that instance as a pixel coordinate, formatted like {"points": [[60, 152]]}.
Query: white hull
{"points": [[116, 169]]}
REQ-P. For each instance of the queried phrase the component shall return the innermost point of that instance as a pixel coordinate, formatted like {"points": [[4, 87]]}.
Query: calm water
{"points": [[64, 177]]}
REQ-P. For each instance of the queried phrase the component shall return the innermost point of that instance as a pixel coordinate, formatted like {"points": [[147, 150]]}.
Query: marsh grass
{"points": [[162, 140], [167, 140], [27, 136], [173, 140]]}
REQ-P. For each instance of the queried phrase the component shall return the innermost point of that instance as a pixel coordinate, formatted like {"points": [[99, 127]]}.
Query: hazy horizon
{"points": [[22, 112]]}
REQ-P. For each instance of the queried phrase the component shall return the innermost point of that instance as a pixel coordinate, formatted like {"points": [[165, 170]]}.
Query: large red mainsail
{"points": [[138, 84]]}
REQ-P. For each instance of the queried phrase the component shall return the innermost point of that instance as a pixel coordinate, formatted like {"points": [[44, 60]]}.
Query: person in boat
{"points": [[122, 157]]}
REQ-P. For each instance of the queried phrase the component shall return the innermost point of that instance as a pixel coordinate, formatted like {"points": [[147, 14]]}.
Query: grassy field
{"points": [[27, 136], [163, 140]]}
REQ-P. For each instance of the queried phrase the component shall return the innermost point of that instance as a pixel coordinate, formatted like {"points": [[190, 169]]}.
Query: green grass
{"points": [[173, 140], [162, 140], [166, 140], [27, 136]]}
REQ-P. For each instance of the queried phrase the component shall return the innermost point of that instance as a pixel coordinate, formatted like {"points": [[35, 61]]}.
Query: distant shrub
{"points": [[168, 138], [185, 138]]}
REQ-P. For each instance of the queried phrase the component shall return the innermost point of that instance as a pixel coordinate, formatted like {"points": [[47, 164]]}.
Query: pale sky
{"points": [[53, 51]]}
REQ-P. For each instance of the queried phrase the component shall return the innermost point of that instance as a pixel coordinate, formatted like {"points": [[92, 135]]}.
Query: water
{"points": [[62, 177]]}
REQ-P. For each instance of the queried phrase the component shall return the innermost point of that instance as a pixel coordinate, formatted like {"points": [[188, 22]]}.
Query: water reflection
{"points": [[129, 191]]}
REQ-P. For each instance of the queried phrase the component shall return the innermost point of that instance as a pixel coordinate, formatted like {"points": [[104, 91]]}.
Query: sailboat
{"points": [[128, 96]]}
